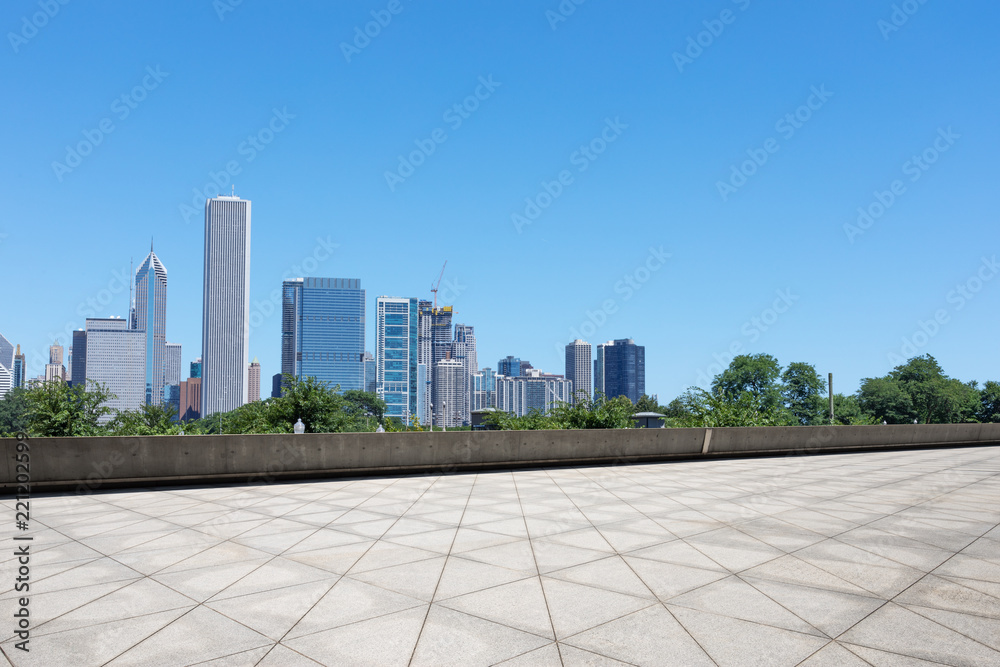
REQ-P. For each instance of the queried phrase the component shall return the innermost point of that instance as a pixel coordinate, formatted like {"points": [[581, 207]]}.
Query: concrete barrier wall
{"points": [[92, 463]]}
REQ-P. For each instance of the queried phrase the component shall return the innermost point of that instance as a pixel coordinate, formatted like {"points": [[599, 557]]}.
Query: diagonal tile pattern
{"points": [[889, 558]]}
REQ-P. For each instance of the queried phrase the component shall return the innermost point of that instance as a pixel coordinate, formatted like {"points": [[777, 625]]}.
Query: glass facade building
{"points": [[625, 370], [151, 319], [323, 331], [6, 366], [396, 334]]}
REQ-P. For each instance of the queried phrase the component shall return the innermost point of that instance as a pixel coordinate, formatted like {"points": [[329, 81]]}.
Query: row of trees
{"points": [[55, 409], [753, 391]]}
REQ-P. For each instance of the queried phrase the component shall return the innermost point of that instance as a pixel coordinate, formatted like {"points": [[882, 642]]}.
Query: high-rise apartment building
{"points": [[599, 368], [396, 356], [521, 395], [253, 381], [323, 331], [509, 367], [624, 369], [578, 368], [150, 317], [463, 350], [225, 324], [449, 393], [371, 376], [116, 358], [189, 399], [195, 371], [484, 389], [6, 366]]}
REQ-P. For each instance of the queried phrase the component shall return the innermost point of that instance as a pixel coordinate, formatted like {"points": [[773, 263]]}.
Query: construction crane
{"points": [[434, 288]]}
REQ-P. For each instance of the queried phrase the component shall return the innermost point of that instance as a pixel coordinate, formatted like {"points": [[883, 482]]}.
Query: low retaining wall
{"points": [[84, 464]]}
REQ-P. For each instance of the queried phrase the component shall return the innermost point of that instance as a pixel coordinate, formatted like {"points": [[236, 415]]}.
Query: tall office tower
{"points": [[56, 354], [253, 381], [20, 368], [599, 383], [151, 318], [396, 356], [425, 314], [323, 331], [173, 364], [371, 376], [449, 393], [484, 389], [423, 395], [625, 369], [116, 358], [68, 368], [195, 371], [55, 370], [441, 339], [521, 395], [276, 385], [509, 367], [578, 368], [225, 322], [6, 366], [78, 366], [463, 350], [189, 401]]}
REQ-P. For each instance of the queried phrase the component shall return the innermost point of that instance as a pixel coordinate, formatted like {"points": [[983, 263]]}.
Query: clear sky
{"points": [[621, 122]]}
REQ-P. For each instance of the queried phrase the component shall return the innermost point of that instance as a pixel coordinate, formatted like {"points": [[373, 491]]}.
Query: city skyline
{"points": [[819, 203]]}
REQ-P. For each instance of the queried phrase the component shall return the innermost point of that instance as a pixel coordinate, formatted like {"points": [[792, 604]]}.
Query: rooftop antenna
{"points": [[234, 189]]}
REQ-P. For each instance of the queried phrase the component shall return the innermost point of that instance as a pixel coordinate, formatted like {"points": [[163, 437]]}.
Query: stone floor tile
{"points": [[738, 643], [276, 573], [678, 552], [520, 604], [648, 637], [735, 598], [439, 541], [575, 607], [612, 573], [970, 567], [551, 556], [983, 630], [273, 613], [668, 580], [338, 560], [452, 638], [880, 576], [350, 601], [577, 657], [887, 659], [462, 575], [830, 612], [202, 583], [898, 630], [417, 579], [282, 656], [947, 594], [199, 635], [732, 549], [833, 655], [241, 659], [547, 656], [517, 556]]}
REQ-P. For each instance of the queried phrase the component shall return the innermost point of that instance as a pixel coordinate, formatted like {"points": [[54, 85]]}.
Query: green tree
{"points": [[989, 403], [716, 409], [147, 420], [533, 421], [936, 398], [803, 391], [885, 400], [754, 373], [56, 409], [593, 414], [14, 412], [847, 412], [648, 404]]}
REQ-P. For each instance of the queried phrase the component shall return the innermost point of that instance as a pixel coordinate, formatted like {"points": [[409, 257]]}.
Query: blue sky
{"points": [[763, 264]]}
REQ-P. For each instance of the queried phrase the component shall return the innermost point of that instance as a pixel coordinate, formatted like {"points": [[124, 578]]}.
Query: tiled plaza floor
{"points": [[874, 558]]}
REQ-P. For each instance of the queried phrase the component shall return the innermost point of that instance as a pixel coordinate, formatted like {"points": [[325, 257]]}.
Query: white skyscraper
{"points": [[225, 323], [6, 366], [463, 350], [449, 392], [578, 368], [115, 356]]}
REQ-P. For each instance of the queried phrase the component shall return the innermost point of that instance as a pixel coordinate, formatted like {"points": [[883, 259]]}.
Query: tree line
{"points": [[755, 390]]}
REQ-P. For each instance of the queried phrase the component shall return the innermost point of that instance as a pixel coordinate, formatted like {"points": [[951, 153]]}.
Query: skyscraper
{"points": [[323, 331], [6, 366], [484, 389], [599, 369], [371, 375], [116, 358], [449, 394], [20, 368], [173, 364], [521, 395], [463, 350], [55, 370], [151, 319], [225, 324], [253, 381], [396, 356], [195, 371], [578, 368], [625, 369]]}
